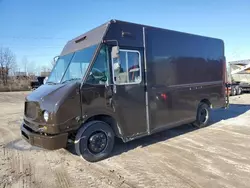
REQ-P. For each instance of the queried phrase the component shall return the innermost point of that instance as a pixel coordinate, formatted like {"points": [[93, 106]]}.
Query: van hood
{"points": [[49, 97], [44, 90]]}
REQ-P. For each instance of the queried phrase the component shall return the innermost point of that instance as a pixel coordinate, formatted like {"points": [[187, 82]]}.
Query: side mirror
{"points": [[115, 52], [45, 80], [55, 59]]}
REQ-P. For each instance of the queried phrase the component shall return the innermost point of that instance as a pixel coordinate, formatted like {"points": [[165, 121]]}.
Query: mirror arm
{"points": [[105, 41], [55, 58]]}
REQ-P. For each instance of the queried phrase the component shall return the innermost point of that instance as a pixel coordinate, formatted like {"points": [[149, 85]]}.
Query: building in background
{"points": [[238, 76], [44, 73], [239, 71]]}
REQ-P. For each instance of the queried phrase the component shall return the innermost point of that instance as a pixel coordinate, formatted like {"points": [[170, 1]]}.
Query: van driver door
{"points": [[128, 92]]}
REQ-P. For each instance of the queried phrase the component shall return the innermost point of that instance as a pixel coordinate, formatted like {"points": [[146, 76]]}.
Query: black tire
{"points": [[200, 120], [89, 133]]}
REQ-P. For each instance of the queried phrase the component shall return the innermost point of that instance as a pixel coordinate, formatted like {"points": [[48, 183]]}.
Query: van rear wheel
{"points": [[203, 115], [94, 141]]}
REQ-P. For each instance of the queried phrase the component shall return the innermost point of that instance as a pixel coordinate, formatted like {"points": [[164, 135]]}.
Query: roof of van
{"points": [[109, 30]]}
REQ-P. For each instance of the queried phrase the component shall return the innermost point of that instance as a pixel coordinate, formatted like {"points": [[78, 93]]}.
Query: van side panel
{"points": [[183, 69]]}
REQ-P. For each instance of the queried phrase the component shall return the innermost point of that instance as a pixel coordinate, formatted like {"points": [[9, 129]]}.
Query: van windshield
{"points": [[72, 66]]}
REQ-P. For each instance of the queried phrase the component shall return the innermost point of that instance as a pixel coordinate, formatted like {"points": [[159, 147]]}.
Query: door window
{"points": [[127, 68], [99, 73]]}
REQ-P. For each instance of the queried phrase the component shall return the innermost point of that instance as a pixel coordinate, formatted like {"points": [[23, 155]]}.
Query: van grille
{"points": [[31, 110]]}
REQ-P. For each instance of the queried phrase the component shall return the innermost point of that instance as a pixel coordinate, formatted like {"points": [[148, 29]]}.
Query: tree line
{"points": [[8, 65]]}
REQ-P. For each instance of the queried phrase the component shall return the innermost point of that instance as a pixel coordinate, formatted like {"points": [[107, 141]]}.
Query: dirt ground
{"points": [[215, 156]]}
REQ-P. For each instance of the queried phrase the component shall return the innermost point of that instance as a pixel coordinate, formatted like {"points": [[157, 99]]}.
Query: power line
{"points": [[36, 38], [42, 55], [30, 46]]}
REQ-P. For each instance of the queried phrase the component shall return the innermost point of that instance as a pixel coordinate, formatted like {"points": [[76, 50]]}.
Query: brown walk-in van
{"points": [[125, 80]]}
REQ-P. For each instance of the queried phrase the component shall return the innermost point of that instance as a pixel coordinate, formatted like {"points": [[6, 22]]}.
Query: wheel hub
{"points": [[97, 142], [203, 115]]}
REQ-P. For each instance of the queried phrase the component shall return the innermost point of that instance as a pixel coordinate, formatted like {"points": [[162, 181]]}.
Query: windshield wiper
{"points": [[51, 83], [70, 80]]}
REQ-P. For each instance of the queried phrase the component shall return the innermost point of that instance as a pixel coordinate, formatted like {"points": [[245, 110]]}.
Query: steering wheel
{"points": [[94, 78], [96, 69]]}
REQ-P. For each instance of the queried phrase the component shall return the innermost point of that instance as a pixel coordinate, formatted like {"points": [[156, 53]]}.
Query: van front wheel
{"points": [[203, 115], [94, 141]]}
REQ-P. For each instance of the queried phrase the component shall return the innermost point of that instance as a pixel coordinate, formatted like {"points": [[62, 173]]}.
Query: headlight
{"points": [[46, 115]]}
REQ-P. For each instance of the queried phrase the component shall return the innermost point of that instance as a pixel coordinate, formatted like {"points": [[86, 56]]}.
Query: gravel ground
{"points": [[215, 156]]}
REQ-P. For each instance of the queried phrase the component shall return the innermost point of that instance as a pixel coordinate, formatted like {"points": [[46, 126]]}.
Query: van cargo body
{"points": [[125, 80]]}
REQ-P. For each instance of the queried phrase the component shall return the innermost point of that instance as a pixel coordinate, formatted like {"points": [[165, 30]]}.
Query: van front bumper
{"points": [[50, 142]]}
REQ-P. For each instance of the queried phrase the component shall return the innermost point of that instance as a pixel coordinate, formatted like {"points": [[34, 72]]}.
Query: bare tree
{"points": [[28, 66], [25, 63], [44, 68], [38, 69], [31, 69], [7, 64]]}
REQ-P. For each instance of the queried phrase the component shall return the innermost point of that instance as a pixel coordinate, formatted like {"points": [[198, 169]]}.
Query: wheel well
{"points": [[107, 119], [206, 101]]}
